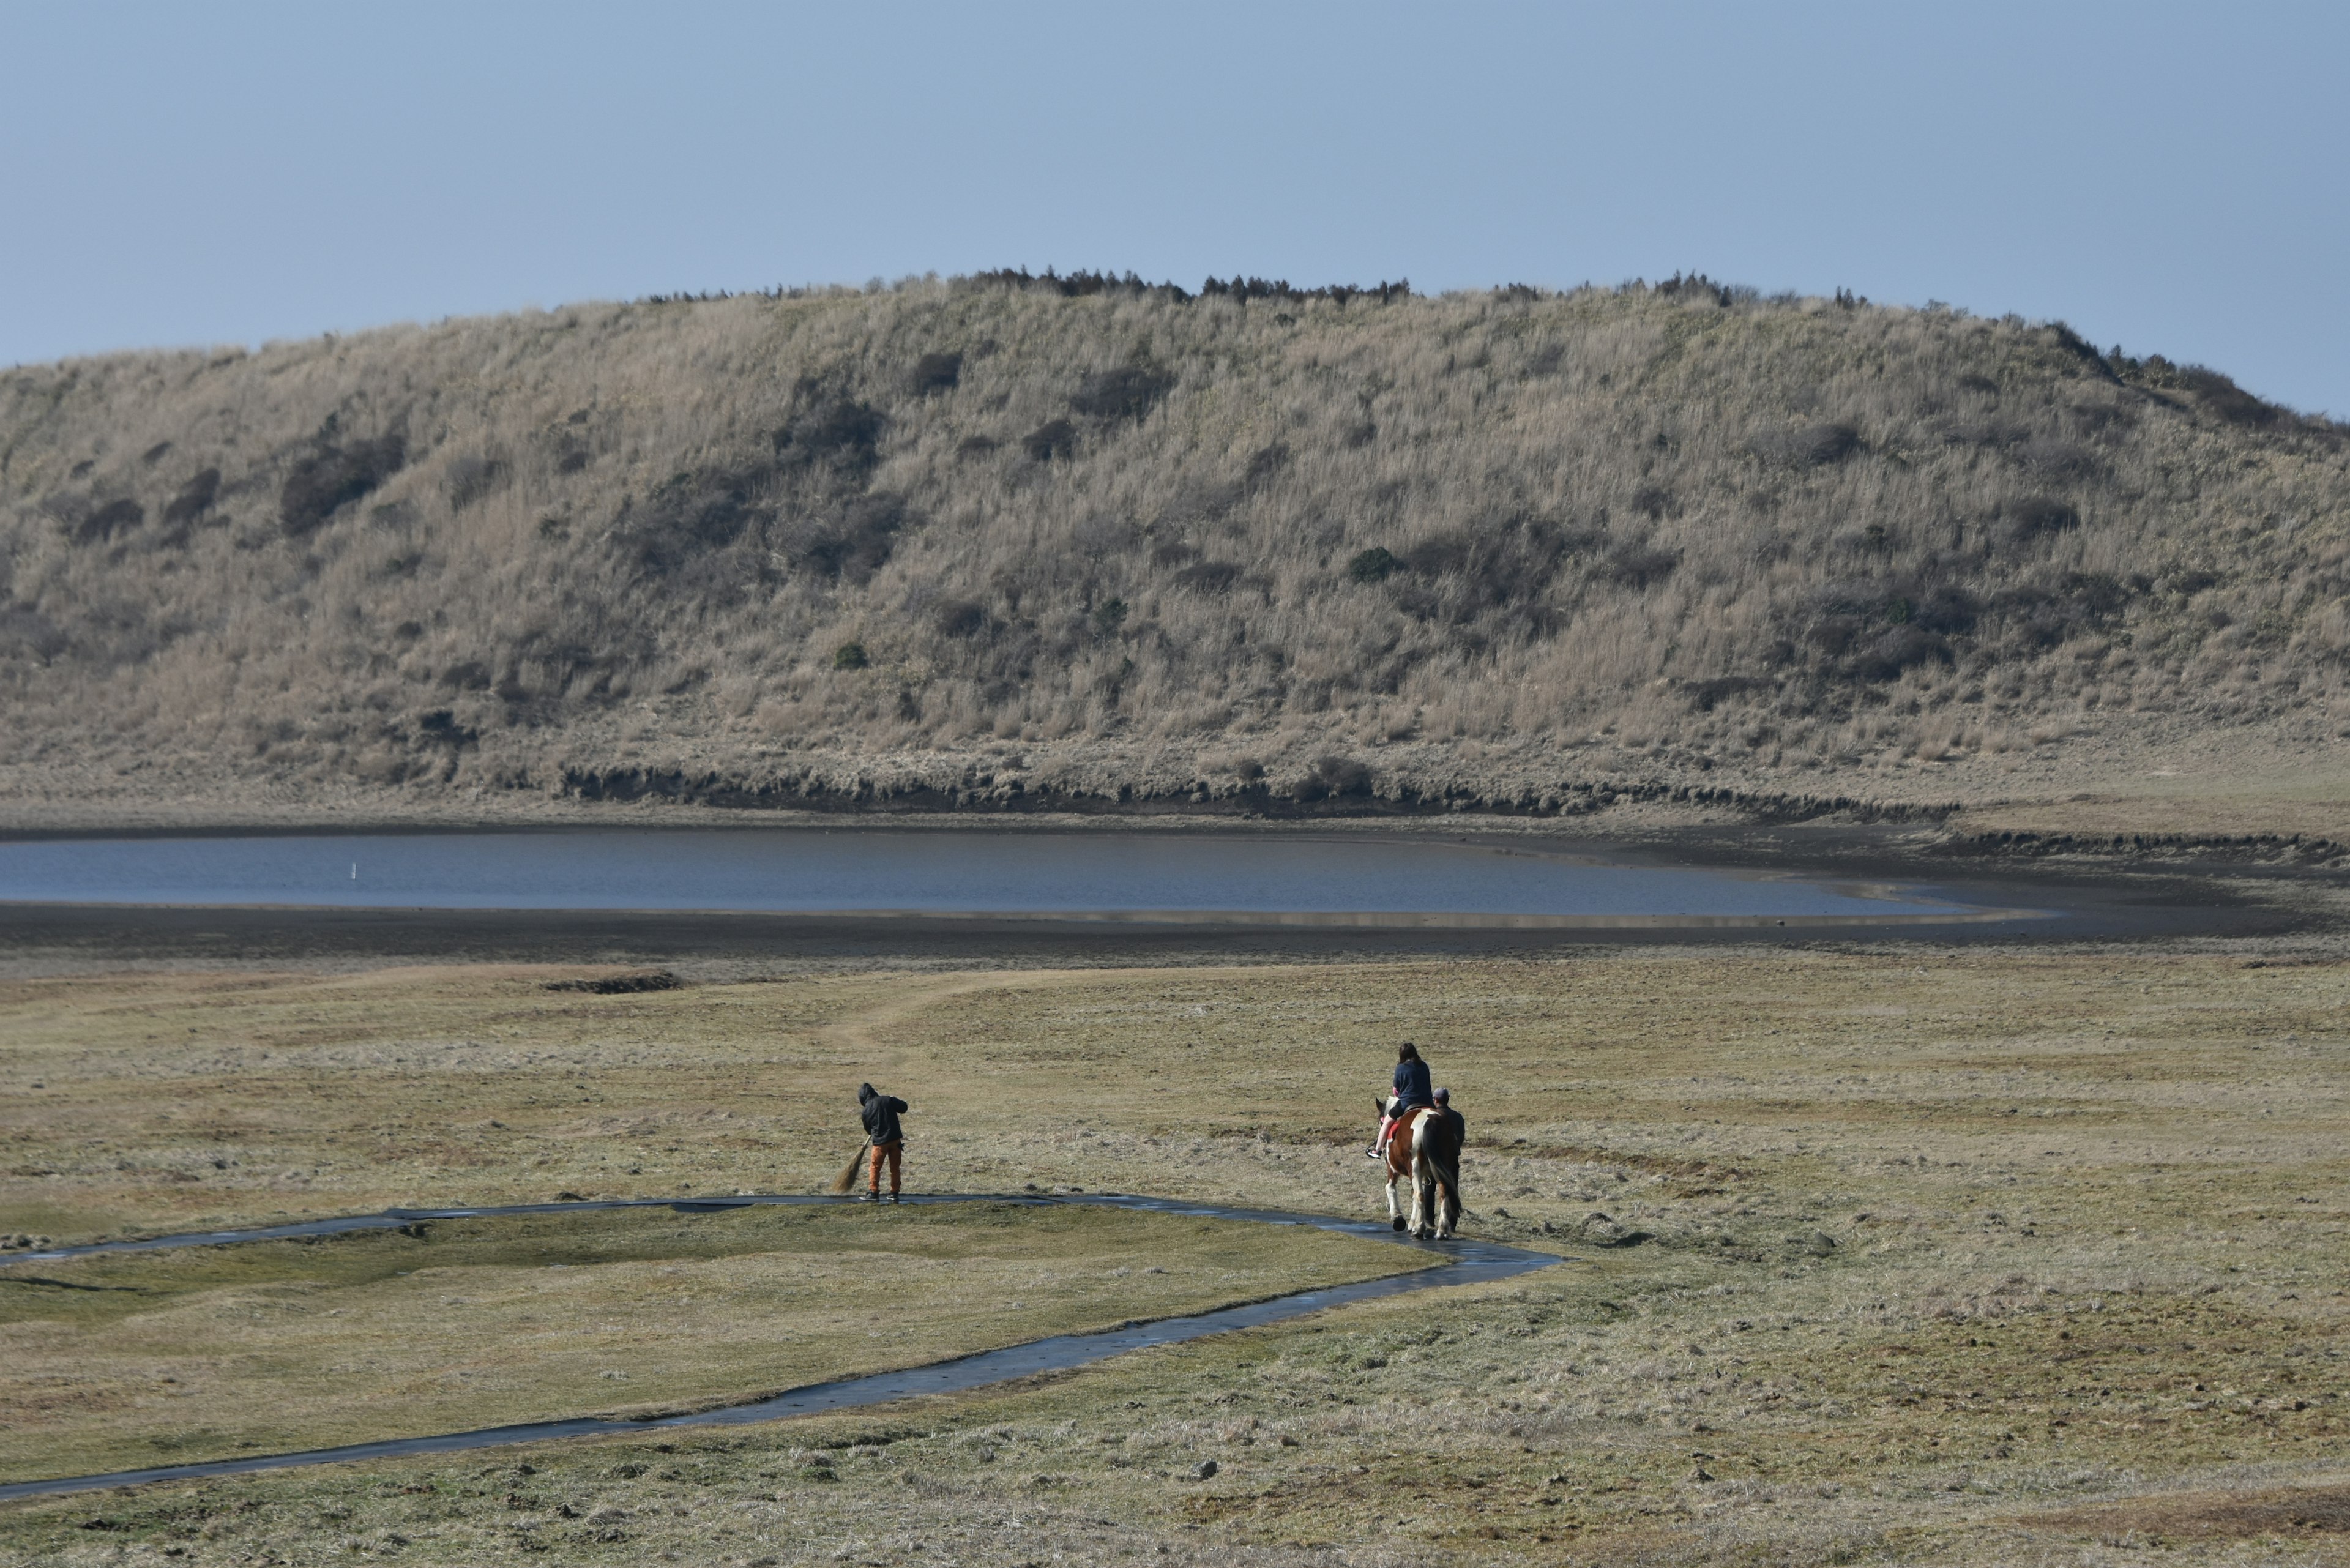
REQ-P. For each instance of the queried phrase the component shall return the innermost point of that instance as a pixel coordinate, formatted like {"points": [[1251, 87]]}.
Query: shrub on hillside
{"points": [[1264, 463], [1334, 776], [2035, 516], [471, 477], [850, 540], [332, 477], [1372, 566], [2046, 614], [28, 634], [2220, 394], [935, 373], [1055, 438], [959, 618], [1464, 573], [1127, 392], [849, 655], [1633, 566], [690, 515], [195, 498], [1812, 446], [1209, 576], [105, 522], [839, 433]]}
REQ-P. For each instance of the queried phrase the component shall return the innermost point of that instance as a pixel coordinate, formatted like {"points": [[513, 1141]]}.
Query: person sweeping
{"points": [[883, 1135]]}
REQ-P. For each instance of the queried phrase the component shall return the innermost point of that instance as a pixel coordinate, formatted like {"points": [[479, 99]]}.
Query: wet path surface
{"points": [[1457, 1263]]}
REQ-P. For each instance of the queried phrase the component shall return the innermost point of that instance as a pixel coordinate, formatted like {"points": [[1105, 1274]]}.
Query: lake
{"points": [[1118, 874]]}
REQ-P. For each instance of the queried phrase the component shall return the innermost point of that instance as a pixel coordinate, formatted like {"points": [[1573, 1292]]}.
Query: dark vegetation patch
{"points": [[1812, 446], [1874, 629], [850, 541], [106, 522], [621, 984], [1334, 777], [2042, 615], [1209, 576], [690, 515], [851, 656], [1507, 565], [332, 477], [1127, 392], [195, 498], [2222, 395], [1264, 463], [1081, 284], [27, 633], [836, 432], [959, 618], [470, 478], [1706, 695], [1054, 437], [935, 373], [2286, 1511], [2035, 517]]}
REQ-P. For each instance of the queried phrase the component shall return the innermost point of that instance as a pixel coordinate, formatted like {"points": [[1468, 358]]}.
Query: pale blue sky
{"points": [[2173, 178]]}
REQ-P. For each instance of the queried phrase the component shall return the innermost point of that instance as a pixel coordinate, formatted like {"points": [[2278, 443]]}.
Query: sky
{"points": [[2171, 177]]}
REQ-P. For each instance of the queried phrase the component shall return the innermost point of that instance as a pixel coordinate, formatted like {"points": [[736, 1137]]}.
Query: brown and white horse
{"points": [[1423, 1150]]}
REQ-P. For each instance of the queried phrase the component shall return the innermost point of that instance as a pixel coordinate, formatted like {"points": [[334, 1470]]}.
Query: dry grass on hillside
{"points": [[982, 537]]}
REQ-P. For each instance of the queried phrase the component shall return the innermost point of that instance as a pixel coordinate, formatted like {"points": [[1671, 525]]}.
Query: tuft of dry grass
{"points": [[1643, 533]]}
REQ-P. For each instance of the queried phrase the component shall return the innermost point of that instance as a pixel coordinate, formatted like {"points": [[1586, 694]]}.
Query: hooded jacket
{"points": [[881, 1112]]}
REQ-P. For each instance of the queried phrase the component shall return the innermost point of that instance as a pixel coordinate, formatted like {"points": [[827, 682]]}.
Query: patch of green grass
{"points": [[130, 1360]]}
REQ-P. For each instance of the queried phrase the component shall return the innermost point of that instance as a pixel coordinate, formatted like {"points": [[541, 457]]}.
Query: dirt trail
{"points": [[860, 1033]]}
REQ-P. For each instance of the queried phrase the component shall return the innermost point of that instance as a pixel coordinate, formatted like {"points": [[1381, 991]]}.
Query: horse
{"points": [[1423, 1149]]}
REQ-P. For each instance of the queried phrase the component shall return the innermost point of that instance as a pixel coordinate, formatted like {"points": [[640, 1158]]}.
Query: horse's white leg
{"points": [[1420, 1183], [1395, 1213]]}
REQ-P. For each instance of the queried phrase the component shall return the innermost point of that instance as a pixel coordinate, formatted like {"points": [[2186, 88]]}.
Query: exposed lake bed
{"points": [[1088, 901]]}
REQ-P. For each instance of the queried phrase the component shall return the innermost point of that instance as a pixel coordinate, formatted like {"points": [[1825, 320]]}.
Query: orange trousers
{"points": [[891, 1151]]}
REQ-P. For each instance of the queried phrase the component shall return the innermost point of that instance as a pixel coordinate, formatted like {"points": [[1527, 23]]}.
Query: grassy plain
{"points": [[125, 1360], [1955, 1256]]}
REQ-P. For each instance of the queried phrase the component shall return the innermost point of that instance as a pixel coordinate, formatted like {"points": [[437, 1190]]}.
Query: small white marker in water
{"points": [[355, 870]]}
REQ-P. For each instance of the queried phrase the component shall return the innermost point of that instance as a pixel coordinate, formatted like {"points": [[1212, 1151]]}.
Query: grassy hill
{"points": [[1014, 541]]}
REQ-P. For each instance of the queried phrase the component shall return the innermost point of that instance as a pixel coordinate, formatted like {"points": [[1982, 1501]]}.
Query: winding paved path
{"points": [[1460, 1262]]}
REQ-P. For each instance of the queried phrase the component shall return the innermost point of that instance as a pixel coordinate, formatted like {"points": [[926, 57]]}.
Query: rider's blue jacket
{"points": [[1412, 1085]]}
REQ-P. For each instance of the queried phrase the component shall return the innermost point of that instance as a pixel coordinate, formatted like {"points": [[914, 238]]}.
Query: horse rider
{"points": [[881, 1112], [1412, 1092]]}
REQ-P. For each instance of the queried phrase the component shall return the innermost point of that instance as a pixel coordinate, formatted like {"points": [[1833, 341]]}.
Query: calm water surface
{"points": [[881, 869]]}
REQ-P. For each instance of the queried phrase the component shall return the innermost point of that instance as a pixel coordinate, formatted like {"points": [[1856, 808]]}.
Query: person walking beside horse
{"points": [[1419, 1142]]}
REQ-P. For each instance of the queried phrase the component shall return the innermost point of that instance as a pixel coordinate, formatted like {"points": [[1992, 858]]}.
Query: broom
{"points": [[846, 1180]]}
